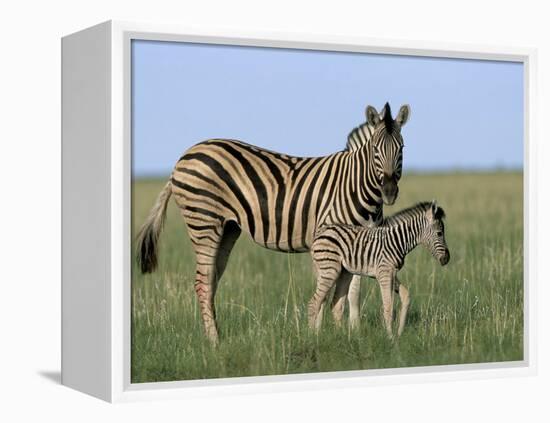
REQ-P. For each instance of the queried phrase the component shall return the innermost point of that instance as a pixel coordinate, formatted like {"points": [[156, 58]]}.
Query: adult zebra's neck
{"points": [[361, 188]]}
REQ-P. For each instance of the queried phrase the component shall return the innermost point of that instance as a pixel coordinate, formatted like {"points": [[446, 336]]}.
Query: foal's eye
{"points": [[439, 233]]}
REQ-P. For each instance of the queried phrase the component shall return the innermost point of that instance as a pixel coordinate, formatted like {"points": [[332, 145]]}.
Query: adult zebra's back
{"points": [[223, 187]]}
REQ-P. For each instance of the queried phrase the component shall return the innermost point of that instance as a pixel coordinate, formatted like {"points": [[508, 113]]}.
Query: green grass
{"points": [[470, 311]]}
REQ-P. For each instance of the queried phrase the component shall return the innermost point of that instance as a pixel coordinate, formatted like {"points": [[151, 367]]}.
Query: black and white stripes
{"points": [[339, 251], [223, 187]]}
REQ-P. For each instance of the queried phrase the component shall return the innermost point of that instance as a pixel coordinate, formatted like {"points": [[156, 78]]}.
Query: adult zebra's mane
{"points": [[357, 137], [360, 135]]}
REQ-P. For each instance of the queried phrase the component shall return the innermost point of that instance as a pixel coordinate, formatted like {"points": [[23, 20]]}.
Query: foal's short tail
{"points": [[148, 236]]}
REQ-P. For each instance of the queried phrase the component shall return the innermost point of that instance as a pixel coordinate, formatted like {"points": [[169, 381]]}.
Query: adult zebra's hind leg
{"points": [[213, 244], [231, 233]]}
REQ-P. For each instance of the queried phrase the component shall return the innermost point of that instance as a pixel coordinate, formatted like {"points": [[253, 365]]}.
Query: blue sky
{"points": [[466, 114]]}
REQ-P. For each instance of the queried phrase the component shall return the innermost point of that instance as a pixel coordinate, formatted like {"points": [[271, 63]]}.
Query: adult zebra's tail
{"points": [[148, 236]]}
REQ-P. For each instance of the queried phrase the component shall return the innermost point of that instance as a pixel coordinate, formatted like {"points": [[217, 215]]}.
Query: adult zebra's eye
{"points": [[439, 233]]}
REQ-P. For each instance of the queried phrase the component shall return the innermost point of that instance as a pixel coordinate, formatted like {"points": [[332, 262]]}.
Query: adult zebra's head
{"points": [[387, 148]]}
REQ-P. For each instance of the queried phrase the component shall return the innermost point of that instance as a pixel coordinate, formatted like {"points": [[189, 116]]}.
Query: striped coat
{"points": [[224, 187], [376, 252]]}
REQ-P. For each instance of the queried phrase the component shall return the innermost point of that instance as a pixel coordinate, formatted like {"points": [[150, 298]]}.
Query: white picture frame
{"points": [[96, 252]]}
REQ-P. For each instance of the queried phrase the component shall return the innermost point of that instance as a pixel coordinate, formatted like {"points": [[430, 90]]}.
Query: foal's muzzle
{"points": [[444, 259]]}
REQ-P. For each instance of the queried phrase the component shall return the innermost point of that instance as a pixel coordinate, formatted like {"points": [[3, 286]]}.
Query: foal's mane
{"points": [[413, 211]]}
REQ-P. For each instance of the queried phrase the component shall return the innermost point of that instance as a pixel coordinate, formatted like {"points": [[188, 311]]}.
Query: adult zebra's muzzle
{"points": [[390, 190]]}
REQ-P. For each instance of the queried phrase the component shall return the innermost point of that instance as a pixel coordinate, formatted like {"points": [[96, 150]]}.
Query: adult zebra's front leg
{"points": [[354, 294], [340, 294], [405, 302], [213, 245]]}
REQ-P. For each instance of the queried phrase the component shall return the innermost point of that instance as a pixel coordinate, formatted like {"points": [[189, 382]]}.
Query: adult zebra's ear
{"points": [[403, 115], [372, 116]]}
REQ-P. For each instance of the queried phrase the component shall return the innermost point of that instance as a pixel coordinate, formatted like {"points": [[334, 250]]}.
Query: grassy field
{"points": [[470, 311]]}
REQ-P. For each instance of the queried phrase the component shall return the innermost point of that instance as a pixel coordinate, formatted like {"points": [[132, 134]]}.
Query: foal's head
{"points": [[434, 234]]}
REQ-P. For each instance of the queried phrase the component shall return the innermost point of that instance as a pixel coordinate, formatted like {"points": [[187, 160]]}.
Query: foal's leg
{"points": [[405, 301], [340, 293], [325, 281], [386, 282], [353, 301]]}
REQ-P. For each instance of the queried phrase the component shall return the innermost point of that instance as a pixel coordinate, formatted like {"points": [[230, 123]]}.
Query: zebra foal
{"points": [[376, 252]]}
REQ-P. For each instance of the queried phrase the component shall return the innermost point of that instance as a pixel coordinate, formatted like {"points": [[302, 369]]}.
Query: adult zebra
{"points": [[223, 187]]}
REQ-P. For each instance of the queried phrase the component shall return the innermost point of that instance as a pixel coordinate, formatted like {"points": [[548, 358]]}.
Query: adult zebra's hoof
{"points": [[212, 336]]}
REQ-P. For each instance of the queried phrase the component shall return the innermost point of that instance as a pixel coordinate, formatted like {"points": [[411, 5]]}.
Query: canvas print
{"points": [[303, 211]]}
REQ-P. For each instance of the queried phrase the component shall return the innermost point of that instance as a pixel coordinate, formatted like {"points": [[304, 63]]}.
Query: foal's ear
{"points": [[436, 212], [403, 115], [372, 116], [432, 211]]}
